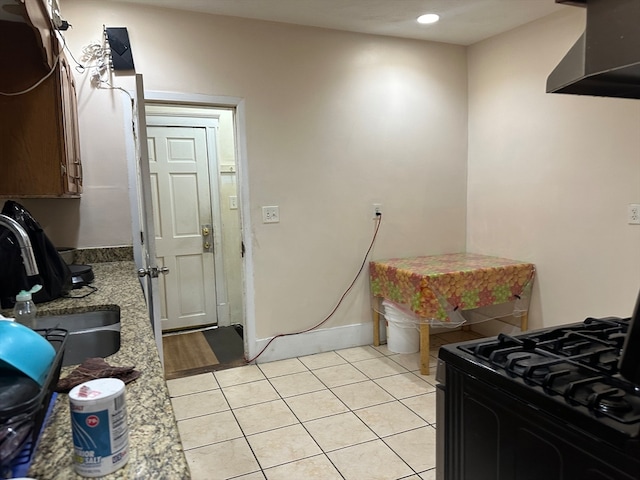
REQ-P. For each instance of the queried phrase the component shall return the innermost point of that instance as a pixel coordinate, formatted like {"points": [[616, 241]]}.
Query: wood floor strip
{"points": [[184, 352]]}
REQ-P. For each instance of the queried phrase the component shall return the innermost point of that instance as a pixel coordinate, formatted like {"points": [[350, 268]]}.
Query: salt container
{"points": [[99, 427]]}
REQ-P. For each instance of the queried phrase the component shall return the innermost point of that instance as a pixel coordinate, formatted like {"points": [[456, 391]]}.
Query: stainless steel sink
{"points": [[91, 334]]}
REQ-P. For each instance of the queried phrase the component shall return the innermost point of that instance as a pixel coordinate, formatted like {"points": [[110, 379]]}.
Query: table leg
{"points": [[376, 321], [424, 348], [524, 322]]}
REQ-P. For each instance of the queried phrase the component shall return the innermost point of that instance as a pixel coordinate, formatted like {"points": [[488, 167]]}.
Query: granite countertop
{"points": [[155, 450]]}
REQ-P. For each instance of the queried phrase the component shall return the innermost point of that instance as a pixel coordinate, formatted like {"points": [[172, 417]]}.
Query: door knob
{"points": [[153, 272], [205, 231]]}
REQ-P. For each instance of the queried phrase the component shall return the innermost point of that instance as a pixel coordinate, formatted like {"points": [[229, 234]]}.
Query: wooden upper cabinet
{"points": [[39, 145]]}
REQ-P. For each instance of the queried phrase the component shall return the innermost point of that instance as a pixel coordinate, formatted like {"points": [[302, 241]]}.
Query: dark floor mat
{"points": [[226, 343]]}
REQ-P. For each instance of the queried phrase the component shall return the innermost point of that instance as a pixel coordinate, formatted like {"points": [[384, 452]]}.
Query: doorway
{"points": [[233, 182], [193, 170]]}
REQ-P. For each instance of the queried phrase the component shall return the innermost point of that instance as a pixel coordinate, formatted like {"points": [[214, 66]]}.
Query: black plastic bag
{"points": [[54, 274]]}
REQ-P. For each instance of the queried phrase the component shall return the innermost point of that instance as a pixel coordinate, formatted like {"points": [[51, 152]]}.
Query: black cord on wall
{"points": [[346, 292]]}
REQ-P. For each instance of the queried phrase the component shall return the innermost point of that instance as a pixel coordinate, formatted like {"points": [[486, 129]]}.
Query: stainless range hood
{"points": [[605, 61]]}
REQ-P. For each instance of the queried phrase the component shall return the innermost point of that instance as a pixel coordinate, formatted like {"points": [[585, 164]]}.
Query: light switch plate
{"points": [[270, 214], [633, 213]]}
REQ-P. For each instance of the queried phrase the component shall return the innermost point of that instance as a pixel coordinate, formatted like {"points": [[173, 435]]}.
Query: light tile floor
{"points": [[362, 413]]}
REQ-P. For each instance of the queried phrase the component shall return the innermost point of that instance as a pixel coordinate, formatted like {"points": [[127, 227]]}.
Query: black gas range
{"points": [[558, 403]]}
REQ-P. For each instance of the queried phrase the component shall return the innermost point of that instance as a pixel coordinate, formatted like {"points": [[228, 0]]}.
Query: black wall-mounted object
{"points": [[121, 55]]}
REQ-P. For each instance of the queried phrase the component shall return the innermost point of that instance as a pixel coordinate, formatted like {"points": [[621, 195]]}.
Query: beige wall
{"points": [[102, 216], [335, 121], [550, 175]]}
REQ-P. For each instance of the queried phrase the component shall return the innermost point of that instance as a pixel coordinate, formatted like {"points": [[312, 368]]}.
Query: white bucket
{"points": [[403, 335]]}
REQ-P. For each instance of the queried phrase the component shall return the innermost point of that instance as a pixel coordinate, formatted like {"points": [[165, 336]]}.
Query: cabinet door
{"points": [[39, 140], [30, 142], [72, 170]]}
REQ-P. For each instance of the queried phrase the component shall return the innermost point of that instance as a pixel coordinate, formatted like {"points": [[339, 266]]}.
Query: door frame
{"points": [[210, 124], [212, 101]]}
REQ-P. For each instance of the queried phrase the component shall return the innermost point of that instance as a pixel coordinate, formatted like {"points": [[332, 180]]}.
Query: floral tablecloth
{"points": [[432, 285]]}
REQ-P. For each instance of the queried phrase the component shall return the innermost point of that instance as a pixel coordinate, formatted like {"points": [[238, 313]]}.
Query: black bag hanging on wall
{"points": [[54, 274]]}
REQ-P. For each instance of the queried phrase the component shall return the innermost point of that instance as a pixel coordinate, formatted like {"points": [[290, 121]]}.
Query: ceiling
{"points": [[462, 22]]}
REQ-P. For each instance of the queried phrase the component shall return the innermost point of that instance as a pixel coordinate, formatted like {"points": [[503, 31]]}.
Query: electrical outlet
{"points": [[270, 214], [233, 202], [377, 210], [633, 214]]}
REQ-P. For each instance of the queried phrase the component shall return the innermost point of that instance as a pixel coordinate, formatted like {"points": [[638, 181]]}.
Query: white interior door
{"points": [[182, 214], [141, 204]]}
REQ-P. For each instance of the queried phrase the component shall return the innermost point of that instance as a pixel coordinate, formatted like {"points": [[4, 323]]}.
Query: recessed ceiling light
{"points": [[428, 18]]}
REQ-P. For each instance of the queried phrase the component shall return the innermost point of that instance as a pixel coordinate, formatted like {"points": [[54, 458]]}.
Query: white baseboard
{"points": [[316, 341]]}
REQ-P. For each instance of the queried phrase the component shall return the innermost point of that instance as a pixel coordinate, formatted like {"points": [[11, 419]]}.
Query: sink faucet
{"points": [[28, 259]]}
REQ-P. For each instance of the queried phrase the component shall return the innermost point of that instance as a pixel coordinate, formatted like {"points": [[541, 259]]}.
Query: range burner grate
{"points": [[596, 343], [577, 363]]}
